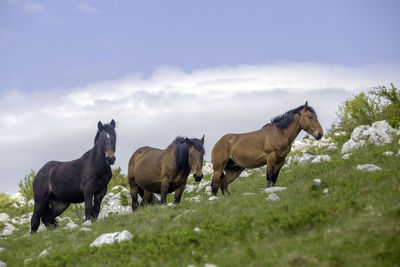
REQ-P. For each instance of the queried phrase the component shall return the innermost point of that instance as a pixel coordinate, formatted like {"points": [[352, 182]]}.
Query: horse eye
{"points": [[310, 117]]}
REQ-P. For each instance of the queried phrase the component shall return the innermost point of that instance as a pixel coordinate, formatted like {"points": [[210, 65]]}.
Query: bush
{"points": [[380, 103], [118, 178], [25, 186]]}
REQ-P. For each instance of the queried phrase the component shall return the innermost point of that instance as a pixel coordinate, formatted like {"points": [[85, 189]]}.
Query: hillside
{"points": [[350, 219]]}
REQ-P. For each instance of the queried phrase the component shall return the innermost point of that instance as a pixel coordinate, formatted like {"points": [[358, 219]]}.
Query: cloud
{"points": [[28, 6], [60, 124], [86, 8]]}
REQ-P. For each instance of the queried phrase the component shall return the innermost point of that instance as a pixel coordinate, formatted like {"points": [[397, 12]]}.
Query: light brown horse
{"points": [[153, 170], [269, 145]]}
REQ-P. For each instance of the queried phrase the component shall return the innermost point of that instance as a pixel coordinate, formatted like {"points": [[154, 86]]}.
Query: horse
{"points": [[57, 184], [270, 145], [163, 171]]}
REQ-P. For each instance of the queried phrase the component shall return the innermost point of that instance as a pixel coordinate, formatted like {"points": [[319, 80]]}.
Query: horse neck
{"points": [[293, 130], [98, 153]]}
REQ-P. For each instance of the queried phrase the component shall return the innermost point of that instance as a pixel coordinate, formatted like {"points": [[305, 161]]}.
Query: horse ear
{"points": [[305, 106], [100, 126], [188, 141], [112, 123], [202, 140]]}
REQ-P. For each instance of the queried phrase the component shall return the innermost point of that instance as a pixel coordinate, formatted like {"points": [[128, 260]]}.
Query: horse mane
{"points": [[283, 121], [182, 151], [109, 129]]}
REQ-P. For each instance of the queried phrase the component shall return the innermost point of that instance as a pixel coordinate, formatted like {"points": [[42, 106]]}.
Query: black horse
{"points": [[57, 184]]}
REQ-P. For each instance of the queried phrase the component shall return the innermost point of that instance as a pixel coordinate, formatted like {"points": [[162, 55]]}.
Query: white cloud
{"points": [[28, 6], [86, 8], [60, 125]]}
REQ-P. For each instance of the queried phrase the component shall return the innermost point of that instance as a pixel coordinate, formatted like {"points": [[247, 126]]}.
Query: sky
{"points": [[167, 68]]}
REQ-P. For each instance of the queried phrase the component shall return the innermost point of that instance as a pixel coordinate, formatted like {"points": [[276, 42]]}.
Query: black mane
{"points": [[182, 151], [109, 129], [283, 121]]}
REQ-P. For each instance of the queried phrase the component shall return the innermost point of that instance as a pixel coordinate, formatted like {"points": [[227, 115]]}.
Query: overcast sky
{"points": [[168, 68]]}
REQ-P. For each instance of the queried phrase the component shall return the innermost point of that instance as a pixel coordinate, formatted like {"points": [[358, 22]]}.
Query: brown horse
{"points": [[153, 170], [269, 145]]}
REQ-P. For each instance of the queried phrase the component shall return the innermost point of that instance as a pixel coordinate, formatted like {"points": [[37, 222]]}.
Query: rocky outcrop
{"points": [[110, 238]]}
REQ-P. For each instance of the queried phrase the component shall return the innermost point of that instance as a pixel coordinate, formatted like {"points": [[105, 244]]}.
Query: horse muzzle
{"points": [[198, 178], [318, 136], [110, 160]]}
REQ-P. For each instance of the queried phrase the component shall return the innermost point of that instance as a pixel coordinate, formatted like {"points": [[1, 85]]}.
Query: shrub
{"points": [[388, 104], [25, 186], [118, 178]]}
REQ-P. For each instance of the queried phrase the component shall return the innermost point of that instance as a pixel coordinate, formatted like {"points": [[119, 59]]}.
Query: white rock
{"points": [[171, 205], [273, 189], [321, 158], [368, 167], [273, 197], [2, 249], [195, 199], [64, 219], [388, 153], [248, 194], [212, 198], [202, 185], [340, 133], [207, 168], [325, 191], [31, 203], [190, 188], [197, 229], [244, 174], [28, 260], [210, 265], [71, 225], [85, 229], [317, 182], [208, 190], [9, 229], [4, 217], [45, 252], [87, 223], [14, 205], [111, 238], [332, 147], [346, 156], [306, 158], [18, 197], [398, 153], [3, 264], [350, 146]]}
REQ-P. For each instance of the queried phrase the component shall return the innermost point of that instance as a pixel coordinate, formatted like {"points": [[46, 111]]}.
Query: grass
{"points": [[355, 224]]}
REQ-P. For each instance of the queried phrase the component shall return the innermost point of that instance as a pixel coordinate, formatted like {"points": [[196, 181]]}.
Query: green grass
{"points": [[357, 223]]}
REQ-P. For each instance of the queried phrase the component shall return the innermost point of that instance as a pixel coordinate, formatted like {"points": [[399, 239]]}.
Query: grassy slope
{"points": [[355, 224]]}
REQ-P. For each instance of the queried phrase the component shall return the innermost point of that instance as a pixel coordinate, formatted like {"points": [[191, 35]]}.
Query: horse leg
{"points": [[271, 161], [216, 180], [88, 196], [277, 169], [56, 208], [47, 217], [164, 189], [97, 202], [178, 193], [38, 209], [134, 190], [229, 177]]}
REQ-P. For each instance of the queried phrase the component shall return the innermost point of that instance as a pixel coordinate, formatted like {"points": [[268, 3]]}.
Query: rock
{"points": [[31, 203], [14, 205], [9, 229], [317, 182], [273, 197], [346, 156], [64, 219], [321, 158], [45, 252], [388, 153], [207, 168], [71, 225], [325, 191], [197, 229], [351, 145], [306, 158], [111, 238], [273, 189], [2, 249], [18, 197], [112, 204], [28, 260], [85, 229], [3, 264], [4, 217], [340, 133], [332, 147], [190, 188], [87, 223], [212, 198], [202, 185], [398, 153], [210, 265], [248, 194], [208, 190], [171, 205], [244, 174], [195, 199], [368, 167]]}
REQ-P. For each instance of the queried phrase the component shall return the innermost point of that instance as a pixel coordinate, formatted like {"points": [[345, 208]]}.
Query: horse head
{"points": [[309, 122], [107, 137], [195, 157]]}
